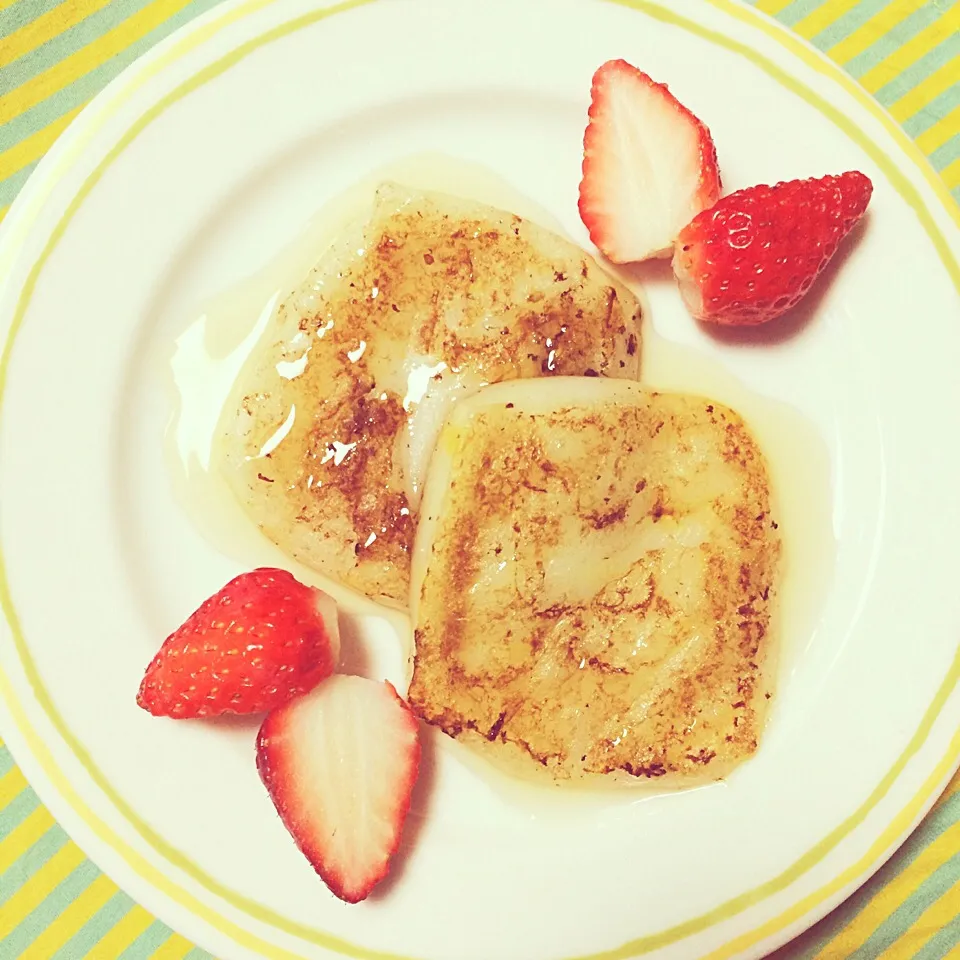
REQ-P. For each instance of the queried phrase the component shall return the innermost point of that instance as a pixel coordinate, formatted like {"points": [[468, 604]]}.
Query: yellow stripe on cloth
{"points": [[176, 948], [88, 58], [941, 132], [868, 33], [890, 896], [12, 784], [32, 148], [71, 920], [952, 174], [48, 25], [916, 47], [123, 933], [923, 93], [773, 7], [823, 17], [23, 836], [933, 919], [952, 787], [39, 887]]}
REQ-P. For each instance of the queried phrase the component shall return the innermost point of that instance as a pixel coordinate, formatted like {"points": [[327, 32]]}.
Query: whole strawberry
{"points": [[262, 640], [755, 254]]}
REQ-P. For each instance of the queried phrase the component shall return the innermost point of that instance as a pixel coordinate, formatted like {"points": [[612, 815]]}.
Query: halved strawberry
{"points": [[756, 253], [340, 765], [649, 165], [261, 640]]}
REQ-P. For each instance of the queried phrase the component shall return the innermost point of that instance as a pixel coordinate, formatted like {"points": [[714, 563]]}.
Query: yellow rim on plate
{"points": [[19, 225]]}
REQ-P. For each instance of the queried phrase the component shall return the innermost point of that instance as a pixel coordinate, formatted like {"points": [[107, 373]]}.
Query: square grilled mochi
{"points": [[338, 410], [594, 581]]}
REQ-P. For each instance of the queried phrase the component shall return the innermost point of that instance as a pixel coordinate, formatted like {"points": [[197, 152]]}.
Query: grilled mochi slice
{"points": [[337, 412], [593, 582]]}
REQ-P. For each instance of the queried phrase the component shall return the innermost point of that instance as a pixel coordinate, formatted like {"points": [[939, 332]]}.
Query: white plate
{"points": [[194, 168]]}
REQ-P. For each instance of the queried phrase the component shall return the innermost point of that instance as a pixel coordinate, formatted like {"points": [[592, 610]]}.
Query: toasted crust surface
{"points": [[432, 299], [594, 582]]}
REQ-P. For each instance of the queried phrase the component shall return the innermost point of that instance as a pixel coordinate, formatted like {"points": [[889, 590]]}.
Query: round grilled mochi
{"points": [[337, 411], [594, 580]]}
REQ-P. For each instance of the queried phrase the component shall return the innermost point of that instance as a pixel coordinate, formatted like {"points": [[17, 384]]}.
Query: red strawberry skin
{"points": [[756, 253], [340, 765], [260, 641]]}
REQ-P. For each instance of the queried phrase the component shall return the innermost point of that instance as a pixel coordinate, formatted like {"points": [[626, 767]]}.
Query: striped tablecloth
{"points": [[54, 56]]}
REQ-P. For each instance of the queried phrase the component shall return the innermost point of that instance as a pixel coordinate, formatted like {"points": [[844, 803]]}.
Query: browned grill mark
{"points": [[600, 520]]}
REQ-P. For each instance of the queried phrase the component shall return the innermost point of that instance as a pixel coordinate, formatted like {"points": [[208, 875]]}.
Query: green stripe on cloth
{"points": [[817, 938], [15, 812], [6, 761], [38, 919], [893, 39], [945, 155], [941, 943], [85, 939], [841, 28], [66, 43], [147, 943], [796, 11], [20, 14], [897, 924], [10, 187], [30, 862], [929, 63], [87, 86], [934, 110]]}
